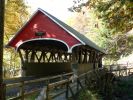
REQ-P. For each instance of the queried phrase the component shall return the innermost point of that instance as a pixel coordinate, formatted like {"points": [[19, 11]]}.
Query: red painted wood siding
{"points": [[41, 22]]}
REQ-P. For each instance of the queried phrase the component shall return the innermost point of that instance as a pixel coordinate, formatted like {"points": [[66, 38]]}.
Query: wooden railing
{"points": [[120, 69], [63, 82], [70, 87], [22, 84], [59, 86]]}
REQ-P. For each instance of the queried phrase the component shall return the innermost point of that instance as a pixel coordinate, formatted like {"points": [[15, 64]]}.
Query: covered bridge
{"points": [[47, 46]]}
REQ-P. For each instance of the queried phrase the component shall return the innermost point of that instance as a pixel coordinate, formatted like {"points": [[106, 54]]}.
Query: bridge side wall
{"points": [[46, 69], [83, 68]]}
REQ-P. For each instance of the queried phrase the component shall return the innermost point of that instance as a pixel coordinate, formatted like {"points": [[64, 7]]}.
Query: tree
{"points": [[2, 85], [87, 23], [16, 13], [117, 19]]}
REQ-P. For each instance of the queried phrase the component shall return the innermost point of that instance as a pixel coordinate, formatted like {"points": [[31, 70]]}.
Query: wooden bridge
{"points": [[48, 47]]}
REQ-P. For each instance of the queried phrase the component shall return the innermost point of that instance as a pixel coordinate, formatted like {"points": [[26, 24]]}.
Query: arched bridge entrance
{"points": [[44, 57]]}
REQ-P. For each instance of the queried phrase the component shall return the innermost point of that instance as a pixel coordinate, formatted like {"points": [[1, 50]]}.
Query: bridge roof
{"points": [[42, 21]]}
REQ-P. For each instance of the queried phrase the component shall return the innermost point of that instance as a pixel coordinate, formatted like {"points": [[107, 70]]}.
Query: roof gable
{"points": [[44, 21], [40, 22]]}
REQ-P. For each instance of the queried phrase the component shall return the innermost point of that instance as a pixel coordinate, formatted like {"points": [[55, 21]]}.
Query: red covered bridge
{"points": [[47, 46]]}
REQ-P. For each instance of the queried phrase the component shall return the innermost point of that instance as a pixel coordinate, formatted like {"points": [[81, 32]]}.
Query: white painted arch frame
{"points": [[69, 49]]}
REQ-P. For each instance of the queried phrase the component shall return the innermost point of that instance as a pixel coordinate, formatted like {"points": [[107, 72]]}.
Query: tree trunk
{"points": [[2, 4]]}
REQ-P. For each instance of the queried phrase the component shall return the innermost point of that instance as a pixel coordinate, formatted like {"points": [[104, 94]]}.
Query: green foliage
{"points": [[88, 95], [101, 82], [123, 89], [32, 97], [117, 20], [16, 14], [87, 23]]}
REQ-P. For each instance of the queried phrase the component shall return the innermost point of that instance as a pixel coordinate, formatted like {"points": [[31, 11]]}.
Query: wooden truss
{"points": [[81, 54]]}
